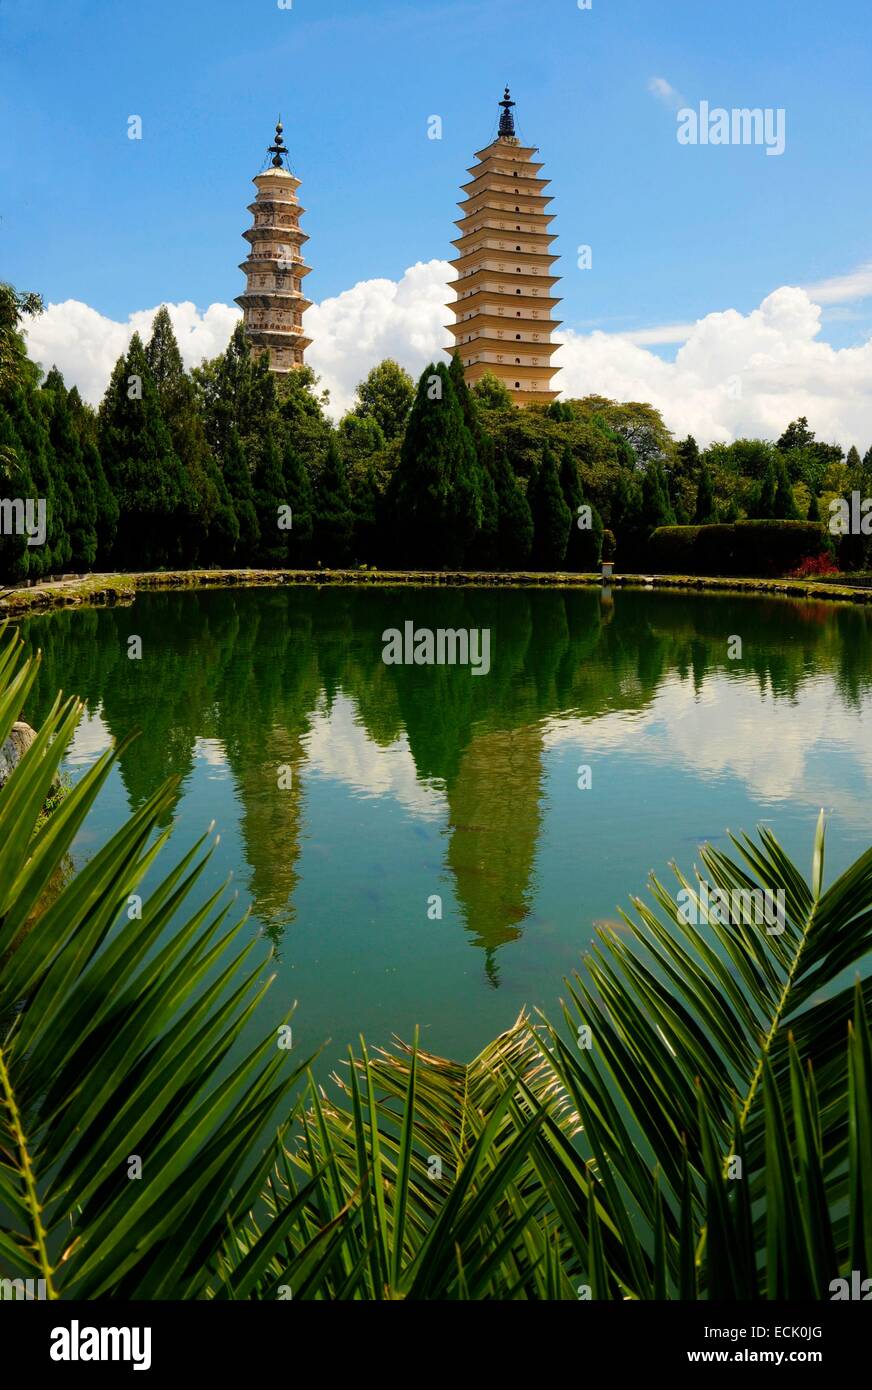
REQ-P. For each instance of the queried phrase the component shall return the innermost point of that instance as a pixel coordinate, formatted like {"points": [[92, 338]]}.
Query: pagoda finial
{"points": [[279, 149], [507, 120]]}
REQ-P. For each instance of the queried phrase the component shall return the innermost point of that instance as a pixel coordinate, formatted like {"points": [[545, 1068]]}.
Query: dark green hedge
{"points": [[763, 549]]}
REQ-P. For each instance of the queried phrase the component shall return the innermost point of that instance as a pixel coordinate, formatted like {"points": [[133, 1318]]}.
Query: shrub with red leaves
{"points": [[815, 567]]}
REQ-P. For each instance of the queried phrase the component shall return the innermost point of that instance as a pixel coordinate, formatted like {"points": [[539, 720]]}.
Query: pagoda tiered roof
{"points": [[504, 301], [273, 304]]}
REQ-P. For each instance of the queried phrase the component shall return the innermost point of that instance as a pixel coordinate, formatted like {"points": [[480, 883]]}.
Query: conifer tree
{"points": [[236, 392], [81, 509], [584, 551], [855, 551], [689, 457], [270, 504], [551, 516], [298, 493], [334, 521], [656, 509], [763, 501], [203, 496], [366, 507], [27, 407], [237, 477], [15, 483], [105, 505], [483, 553], [515, 535], [784, 505], [706, 510], [436, 504], [141, 466], [577, 550], [627, 521]]}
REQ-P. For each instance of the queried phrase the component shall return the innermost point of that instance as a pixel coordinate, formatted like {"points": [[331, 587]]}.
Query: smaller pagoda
{"points": [[274, 303]]}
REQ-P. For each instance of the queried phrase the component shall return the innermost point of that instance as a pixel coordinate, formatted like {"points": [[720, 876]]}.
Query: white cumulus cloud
{"points": [[85, 345], [376, 319], [734, 373]]}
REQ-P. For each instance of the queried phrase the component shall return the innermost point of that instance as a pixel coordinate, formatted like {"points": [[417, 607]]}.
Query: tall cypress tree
{"points": [[855, 551], [763, 499], [584, 551], [334, 520], [706, 511], [656, 509], [81, 510], [84, 421], [366, 506], [551, 516], [784, 506], [205, 505], [15, 483], [515, 536], [484, 549], [435, 494], [268, 485], [298, 493], [28, 408], [237, 477], [141, 465]]}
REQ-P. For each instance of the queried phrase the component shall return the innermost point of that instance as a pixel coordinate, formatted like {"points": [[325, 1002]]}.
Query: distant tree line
{"points": [[229, 465]]}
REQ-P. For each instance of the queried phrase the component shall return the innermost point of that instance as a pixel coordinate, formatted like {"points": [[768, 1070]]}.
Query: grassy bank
{"points": [[123, 588]]}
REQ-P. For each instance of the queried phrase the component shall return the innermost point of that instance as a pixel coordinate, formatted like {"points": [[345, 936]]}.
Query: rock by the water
{"points": [[13, 750]]}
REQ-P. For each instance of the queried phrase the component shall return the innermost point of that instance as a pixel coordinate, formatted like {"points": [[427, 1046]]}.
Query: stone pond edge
{"points": [[107, 589]]}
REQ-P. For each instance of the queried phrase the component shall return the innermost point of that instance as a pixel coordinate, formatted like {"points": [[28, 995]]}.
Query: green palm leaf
{"points": [[114, 1036]]}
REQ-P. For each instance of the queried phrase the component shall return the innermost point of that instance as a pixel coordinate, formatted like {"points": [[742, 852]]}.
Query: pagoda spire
{"points": [[278, 149], [507, 119], [274, 302], [505, 264]]}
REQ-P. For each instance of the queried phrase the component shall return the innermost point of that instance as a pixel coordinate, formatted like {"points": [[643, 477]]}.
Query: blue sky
{"points": [[678, 233], [675, 232]]}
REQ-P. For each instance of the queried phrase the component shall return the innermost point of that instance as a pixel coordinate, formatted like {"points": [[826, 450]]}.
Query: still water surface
{"points": [[409, 783]]}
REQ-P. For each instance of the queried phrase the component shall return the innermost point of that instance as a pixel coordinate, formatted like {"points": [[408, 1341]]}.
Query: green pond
{"points": [[349, 793]]}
